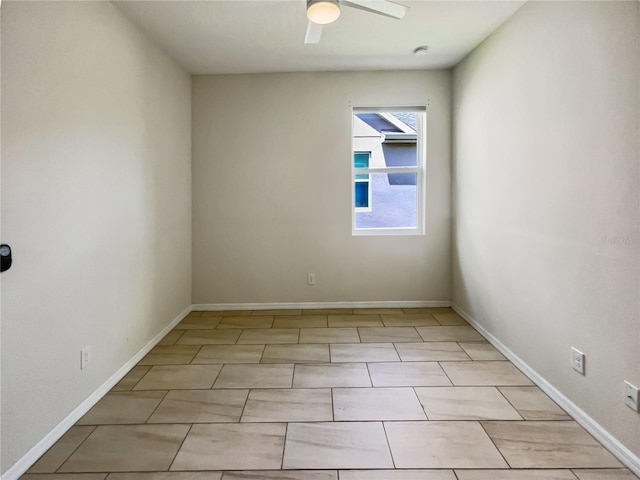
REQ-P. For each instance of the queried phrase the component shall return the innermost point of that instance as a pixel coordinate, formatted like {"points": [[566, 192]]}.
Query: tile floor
{"points": [[368, 394]]}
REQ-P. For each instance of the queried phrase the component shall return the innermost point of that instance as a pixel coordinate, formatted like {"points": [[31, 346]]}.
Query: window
{"points": [[387, 173]]}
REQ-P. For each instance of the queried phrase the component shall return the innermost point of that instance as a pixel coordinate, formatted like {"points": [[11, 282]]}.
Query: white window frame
{"points": [[419, 170]]}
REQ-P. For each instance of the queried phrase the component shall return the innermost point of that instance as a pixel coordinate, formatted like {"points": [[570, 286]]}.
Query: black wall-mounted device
{"points": [[5, 257]]}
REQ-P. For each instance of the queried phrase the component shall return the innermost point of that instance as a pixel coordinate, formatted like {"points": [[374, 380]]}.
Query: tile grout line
{"points": [[384, 429], [509, 401], [284, 444], [216, 377], [179, 448], [493, 443], [333, 407], [146, 422], [369, 373], [57, 470], [244, 405], [421, 404]]}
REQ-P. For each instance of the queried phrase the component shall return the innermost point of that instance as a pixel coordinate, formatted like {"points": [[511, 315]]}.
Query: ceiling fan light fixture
{"points": [[323, 12]]}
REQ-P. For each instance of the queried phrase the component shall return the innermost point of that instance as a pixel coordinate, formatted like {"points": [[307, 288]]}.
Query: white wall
{"points": [[96, 203], [272, 191], [547, 206]]}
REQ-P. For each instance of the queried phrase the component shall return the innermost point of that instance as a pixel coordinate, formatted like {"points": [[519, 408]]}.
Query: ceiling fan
{"points": [[323, 12]]}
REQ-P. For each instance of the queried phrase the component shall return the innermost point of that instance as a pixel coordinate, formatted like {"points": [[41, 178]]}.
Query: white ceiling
{"points": [[251, 36]]}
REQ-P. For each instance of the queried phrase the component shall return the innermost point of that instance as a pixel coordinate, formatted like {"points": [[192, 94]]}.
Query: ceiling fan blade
{"points": [[314, 31], [381, 7]]}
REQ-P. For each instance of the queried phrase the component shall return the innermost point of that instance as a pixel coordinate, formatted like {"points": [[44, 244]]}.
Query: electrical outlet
{"points": [[85, 357], [311, 279], [577, 360], [631, 396]]}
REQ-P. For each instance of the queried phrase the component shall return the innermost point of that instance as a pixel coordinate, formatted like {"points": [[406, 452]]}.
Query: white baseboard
{"points": [[22, 465], [622, 453], [212, 307]]}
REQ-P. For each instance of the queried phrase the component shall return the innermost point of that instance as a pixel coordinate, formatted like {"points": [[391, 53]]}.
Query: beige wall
{"points": [[547, 158], [96, 193], [272, 192]]}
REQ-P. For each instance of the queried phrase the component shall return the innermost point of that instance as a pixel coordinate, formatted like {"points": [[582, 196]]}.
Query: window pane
{"points": [[392, 202], [361, 160], [362, 194]]}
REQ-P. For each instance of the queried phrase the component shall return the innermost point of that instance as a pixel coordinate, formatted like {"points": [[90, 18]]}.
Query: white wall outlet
{"points": [[85, 357], [631, 396], [577, 360], [311, 279]]}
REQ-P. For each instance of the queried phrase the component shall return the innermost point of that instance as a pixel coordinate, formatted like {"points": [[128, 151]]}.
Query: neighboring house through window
{"points": [[388, 171], [362, 185]]}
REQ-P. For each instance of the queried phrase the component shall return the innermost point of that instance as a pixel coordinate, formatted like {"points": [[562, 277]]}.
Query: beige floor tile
{"points": [[278, 311], [465, 403], [407, 320], [170, 355], [376, 404], [64, 476], [442, 445], [117, 448], [194, 314], [515, 475], [171, 337], [61, 450], [327, 311], [331, 375], [329, 335], [449, 319], [229, 354], [430, 352], [179, 377], [123, 408], [265, 321], [605, 474], [481, 351], [301, 321], [166, 476], [361, 352], [311, 353], [389, 334], [288, 405], [546, 444], [209, 337], [131, 379], [533, 404], [397, 475], [283, 475], [336, 445], [241, 446], [354, 321], [407, 374], [200, 406], [199, 323], [484, 374], [377, 311], [456, 333], [255, 376], [269, 335]]}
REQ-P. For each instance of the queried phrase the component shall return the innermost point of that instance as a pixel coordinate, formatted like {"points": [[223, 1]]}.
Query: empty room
{"points": [[320, 240]]}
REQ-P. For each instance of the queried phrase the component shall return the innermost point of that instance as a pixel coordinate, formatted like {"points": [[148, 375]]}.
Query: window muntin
{"points": [[389, 155]]}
